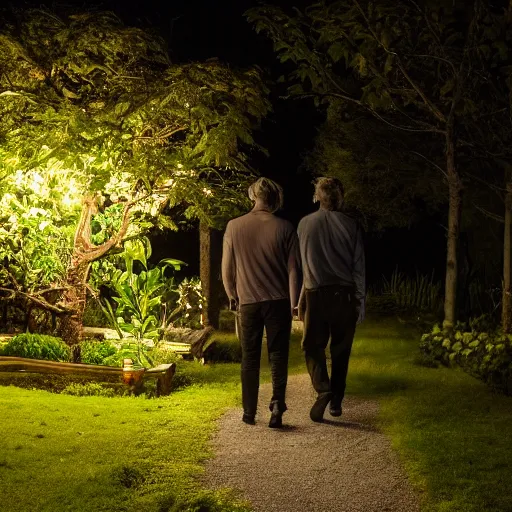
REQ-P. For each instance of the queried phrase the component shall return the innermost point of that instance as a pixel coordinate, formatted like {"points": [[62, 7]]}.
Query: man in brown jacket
{"points": [[262, 278]]}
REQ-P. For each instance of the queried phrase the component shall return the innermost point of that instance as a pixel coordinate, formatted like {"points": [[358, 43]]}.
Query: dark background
{"points": [[199, 30]]}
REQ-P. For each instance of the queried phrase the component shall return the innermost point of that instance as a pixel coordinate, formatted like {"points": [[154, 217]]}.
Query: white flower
{"points": [[19, 177], [34, 212], [43, 224]]}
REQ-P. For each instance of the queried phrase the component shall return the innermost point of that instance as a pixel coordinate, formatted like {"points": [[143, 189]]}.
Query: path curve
{"points": [[342, 465]]}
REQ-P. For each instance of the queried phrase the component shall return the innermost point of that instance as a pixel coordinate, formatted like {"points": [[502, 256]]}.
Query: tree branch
{"points": [[489, 214], [36, 300], [433, 109], [378, 116], [430, 162]]}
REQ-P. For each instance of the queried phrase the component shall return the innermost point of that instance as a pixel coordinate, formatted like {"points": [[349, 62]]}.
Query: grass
{"points": [[66, 453], [452, 432]]}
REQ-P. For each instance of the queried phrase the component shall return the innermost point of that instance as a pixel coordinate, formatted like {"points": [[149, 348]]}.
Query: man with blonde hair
{"points": [[262, 278], [332, 302]]}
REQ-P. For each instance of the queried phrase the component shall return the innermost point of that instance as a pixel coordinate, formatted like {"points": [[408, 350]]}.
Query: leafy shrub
{"points": [[88, 389], [404, 293], [37, 346], [487, 356], [2, 348], [226, 321], [97, 351], [160, 355], [188, 306], [226, 350]]}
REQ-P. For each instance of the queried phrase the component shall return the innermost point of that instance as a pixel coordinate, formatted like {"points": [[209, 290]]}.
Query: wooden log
{"points": [[195, 339], [42, 366], [164, 373], [132, 377]]}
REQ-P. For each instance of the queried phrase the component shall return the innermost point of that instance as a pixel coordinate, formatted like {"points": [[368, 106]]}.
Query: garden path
{"points": [[342, 465]]}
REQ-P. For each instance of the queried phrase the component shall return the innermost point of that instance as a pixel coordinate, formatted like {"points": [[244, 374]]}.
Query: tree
{"points": [[97, 109], [415, 67], [387, 181]]}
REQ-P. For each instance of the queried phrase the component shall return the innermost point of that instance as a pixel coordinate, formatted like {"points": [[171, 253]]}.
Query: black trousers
{"points": [[331, 312], [275, 316]]}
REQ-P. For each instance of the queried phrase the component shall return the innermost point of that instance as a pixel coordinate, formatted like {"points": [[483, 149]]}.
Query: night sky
{"points": [[199, 30]]}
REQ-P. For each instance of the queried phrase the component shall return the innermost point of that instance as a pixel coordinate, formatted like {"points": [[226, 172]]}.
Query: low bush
{"points": [[96, 351], [227, 321], [224, 349], [404, 293], [37, 346], [88, 389], [159, 355], [127, 351], [485, 355], [54, 382]]}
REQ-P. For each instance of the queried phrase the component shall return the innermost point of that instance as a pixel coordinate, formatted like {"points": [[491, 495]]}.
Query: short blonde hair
{"points": [[329, 193], [267, 191]]}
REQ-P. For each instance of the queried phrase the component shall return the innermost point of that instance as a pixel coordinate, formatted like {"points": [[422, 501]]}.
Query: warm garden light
{"points": [[82, 177]]}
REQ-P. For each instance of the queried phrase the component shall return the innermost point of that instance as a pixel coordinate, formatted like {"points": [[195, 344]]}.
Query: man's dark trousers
{"points": [[331, 312], [275, 316]]}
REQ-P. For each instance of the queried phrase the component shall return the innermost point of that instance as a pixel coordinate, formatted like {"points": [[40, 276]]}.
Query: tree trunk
{"points": [[454, 212], [506, 311], [71, 324], [209, 269]]}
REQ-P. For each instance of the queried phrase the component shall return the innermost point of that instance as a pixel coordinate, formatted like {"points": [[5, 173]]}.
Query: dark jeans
{"points": [[331, 312], [275, 316]]}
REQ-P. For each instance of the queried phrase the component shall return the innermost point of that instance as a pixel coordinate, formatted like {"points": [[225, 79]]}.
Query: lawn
{"points": [[60, 453], [453, 433]]}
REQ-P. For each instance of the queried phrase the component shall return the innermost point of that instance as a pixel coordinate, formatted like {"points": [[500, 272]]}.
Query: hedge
{"points": [[487, 356]]}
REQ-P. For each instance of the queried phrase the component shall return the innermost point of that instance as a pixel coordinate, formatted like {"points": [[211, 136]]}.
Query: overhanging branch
{"points": [[39, 301]]}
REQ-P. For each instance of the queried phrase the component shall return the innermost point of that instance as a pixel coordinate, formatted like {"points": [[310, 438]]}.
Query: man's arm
{"points": [[294, 269], [229, 265], [359, 273]]}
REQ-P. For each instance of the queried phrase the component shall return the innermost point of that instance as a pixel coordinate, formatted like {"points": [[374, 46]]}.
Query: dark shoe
{"points": [[335, 406], [318, 409], [276, 418], [249, 419]]}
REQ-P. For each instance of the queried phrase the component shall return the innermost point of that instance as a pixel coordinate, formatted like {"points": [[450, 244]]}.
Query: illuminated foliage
{"points": [[107, 135]]}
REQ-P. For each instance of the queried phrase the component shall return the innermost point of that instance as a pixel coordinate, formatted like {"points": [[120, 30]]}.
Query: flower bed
{"points": [[487, 356]]}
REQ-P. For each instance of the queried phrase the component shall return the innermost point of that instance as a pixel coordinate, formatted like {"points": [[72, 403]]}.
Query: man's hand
{"points": [[233, 305], [298, 312], [361, 312]]}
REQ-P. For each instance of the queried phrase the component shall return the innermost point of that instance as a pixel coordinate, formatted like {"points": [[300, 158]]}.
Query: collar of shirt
{"points": [[257, 209]]}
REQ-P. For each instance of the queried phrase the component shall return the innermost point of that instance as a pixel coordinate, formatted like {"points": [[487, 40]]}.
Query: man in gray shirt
{"points": [[262, 278], [331, 247]]}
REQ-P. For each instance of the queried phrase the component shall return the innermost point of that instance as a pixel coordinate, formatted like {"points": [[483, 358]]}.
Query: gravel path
{"points": [[342, 465]]}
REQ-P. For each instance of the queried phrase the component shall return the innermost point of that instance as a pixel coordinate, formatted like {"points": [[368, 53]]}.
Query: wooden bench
{"points": [[132, 377]]}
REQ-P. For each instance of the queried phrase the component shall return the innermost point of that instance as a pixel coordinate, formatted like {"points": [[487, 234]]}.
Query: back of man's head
{"points": [[329, 193], [267, 192]]}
